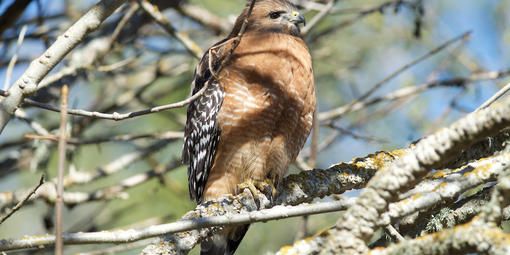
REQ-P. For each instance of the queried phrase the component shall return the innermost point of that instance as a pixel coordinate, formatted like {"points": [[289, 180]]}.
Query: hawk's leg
{"points": [[256, 187]]}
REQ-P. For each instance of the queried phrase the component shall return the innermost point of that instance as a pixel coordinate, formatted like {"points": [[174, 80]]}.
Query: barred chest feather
{"points": [[267, 111]]}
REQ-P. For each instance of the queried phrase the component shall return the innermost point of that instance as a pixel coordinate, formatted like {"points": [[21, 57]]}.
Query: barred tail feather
{"points": [[225, 243]]}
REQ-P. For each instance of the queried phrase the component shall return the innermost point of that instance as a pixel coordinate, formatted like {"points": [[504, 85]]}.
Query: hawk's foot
{"points": [[265, 187]]}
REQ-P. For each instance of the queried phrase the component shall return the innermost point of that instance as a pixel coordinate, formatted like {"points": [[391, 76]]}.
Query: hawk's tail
{"points": [[224, 243]]}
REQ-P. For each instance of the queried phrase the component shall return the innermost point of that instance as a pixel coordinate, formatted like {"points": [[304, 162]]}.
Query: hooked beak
{"points": [[297, 18]]}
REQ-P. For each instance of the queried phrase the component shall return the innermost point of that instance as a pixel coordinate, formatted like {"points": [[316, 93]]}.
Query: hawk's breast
{"points": [[267, 111]]}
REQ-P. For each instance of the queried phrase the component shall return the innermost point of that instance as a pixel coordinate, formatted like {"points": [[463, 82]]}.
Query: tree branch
{"points": [[358, 224], [40, 67], [82, 177], [23, 201], [481, 235], [131, 235], [188, 44]]}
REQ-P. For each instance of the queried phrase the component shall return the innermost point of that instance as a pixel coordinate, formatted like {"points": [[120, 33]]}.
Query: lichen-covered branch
{"points": [[434, 191], [358, 224], [481, 235], [336, 179], [194, 222], [295, 189], [450, 187], [307, 185], [448, 217], [462, 239]]}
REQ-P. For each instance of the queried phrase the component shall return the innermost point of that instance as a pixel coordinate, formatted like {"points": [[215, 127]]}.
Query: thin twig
{"points": [[335, 113], [361, 14], [116, 65], [495, 97], [322, 116], [47, 192], [36, 126], [131, 235], [23, 201], [237, 39], [61, 168], [315, 20], [204, 17], [121, 116], [122, 23], [118, 116], [116, 249], [347, 131], [314, 146], [27, 84], [390, 230], [188, 44], [118, 138], [14, 57]]}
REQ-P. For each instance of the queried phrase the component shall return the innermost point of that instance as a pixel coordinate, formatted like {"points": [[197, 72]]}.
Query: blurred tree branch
{"points": [[12, 13], [22, 201], [356, 226], [39, 68]]}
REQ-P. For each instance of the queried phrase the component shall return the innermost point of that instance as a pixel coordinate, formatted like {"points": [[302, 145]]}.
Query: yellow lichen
{"points": [[286, 249]]}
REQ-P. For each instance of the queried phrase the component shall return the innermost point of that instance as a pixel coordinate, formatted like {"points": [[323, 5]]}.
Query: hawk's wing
{"points": [[202, 133]]}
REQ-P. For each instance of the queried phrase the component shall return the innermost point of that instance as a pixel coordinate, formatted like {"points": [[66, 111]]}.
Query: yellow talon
{"points": [[257, 187]]}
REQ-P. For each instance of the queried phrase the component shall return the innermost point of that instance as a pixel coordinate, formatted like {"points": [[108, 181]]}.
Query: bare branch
{"points": [[358, 223], [23, 201], [131, 235], [82, 177], [480, 235], [204, 17], [294, 190], [302, 190], [314, 183], [361, 13], [460, 240], [40, 67], [407, 91], [12, 13], [37, 127], [14, 58], [59, 245], [117, 138], [437, 189], [432, 193], [337, 112], [188, 44], [324, 10], [402, 93], [118, 116], [495, 97], [394, 233]]}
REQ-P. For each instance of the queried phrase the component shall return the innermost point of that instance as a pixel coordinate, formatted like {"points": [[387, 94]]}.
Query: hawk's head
{"points": [[273, 16]]}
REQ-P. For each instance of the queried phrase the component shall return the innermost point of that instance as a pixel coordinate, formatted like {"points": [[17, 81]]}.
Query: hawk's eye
{"points": [[274, 15]]}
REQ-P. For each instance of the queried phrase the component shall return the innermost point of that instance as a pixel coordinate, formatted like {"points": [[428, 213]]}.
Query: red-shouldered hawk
{"points": [[256, 113]]}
